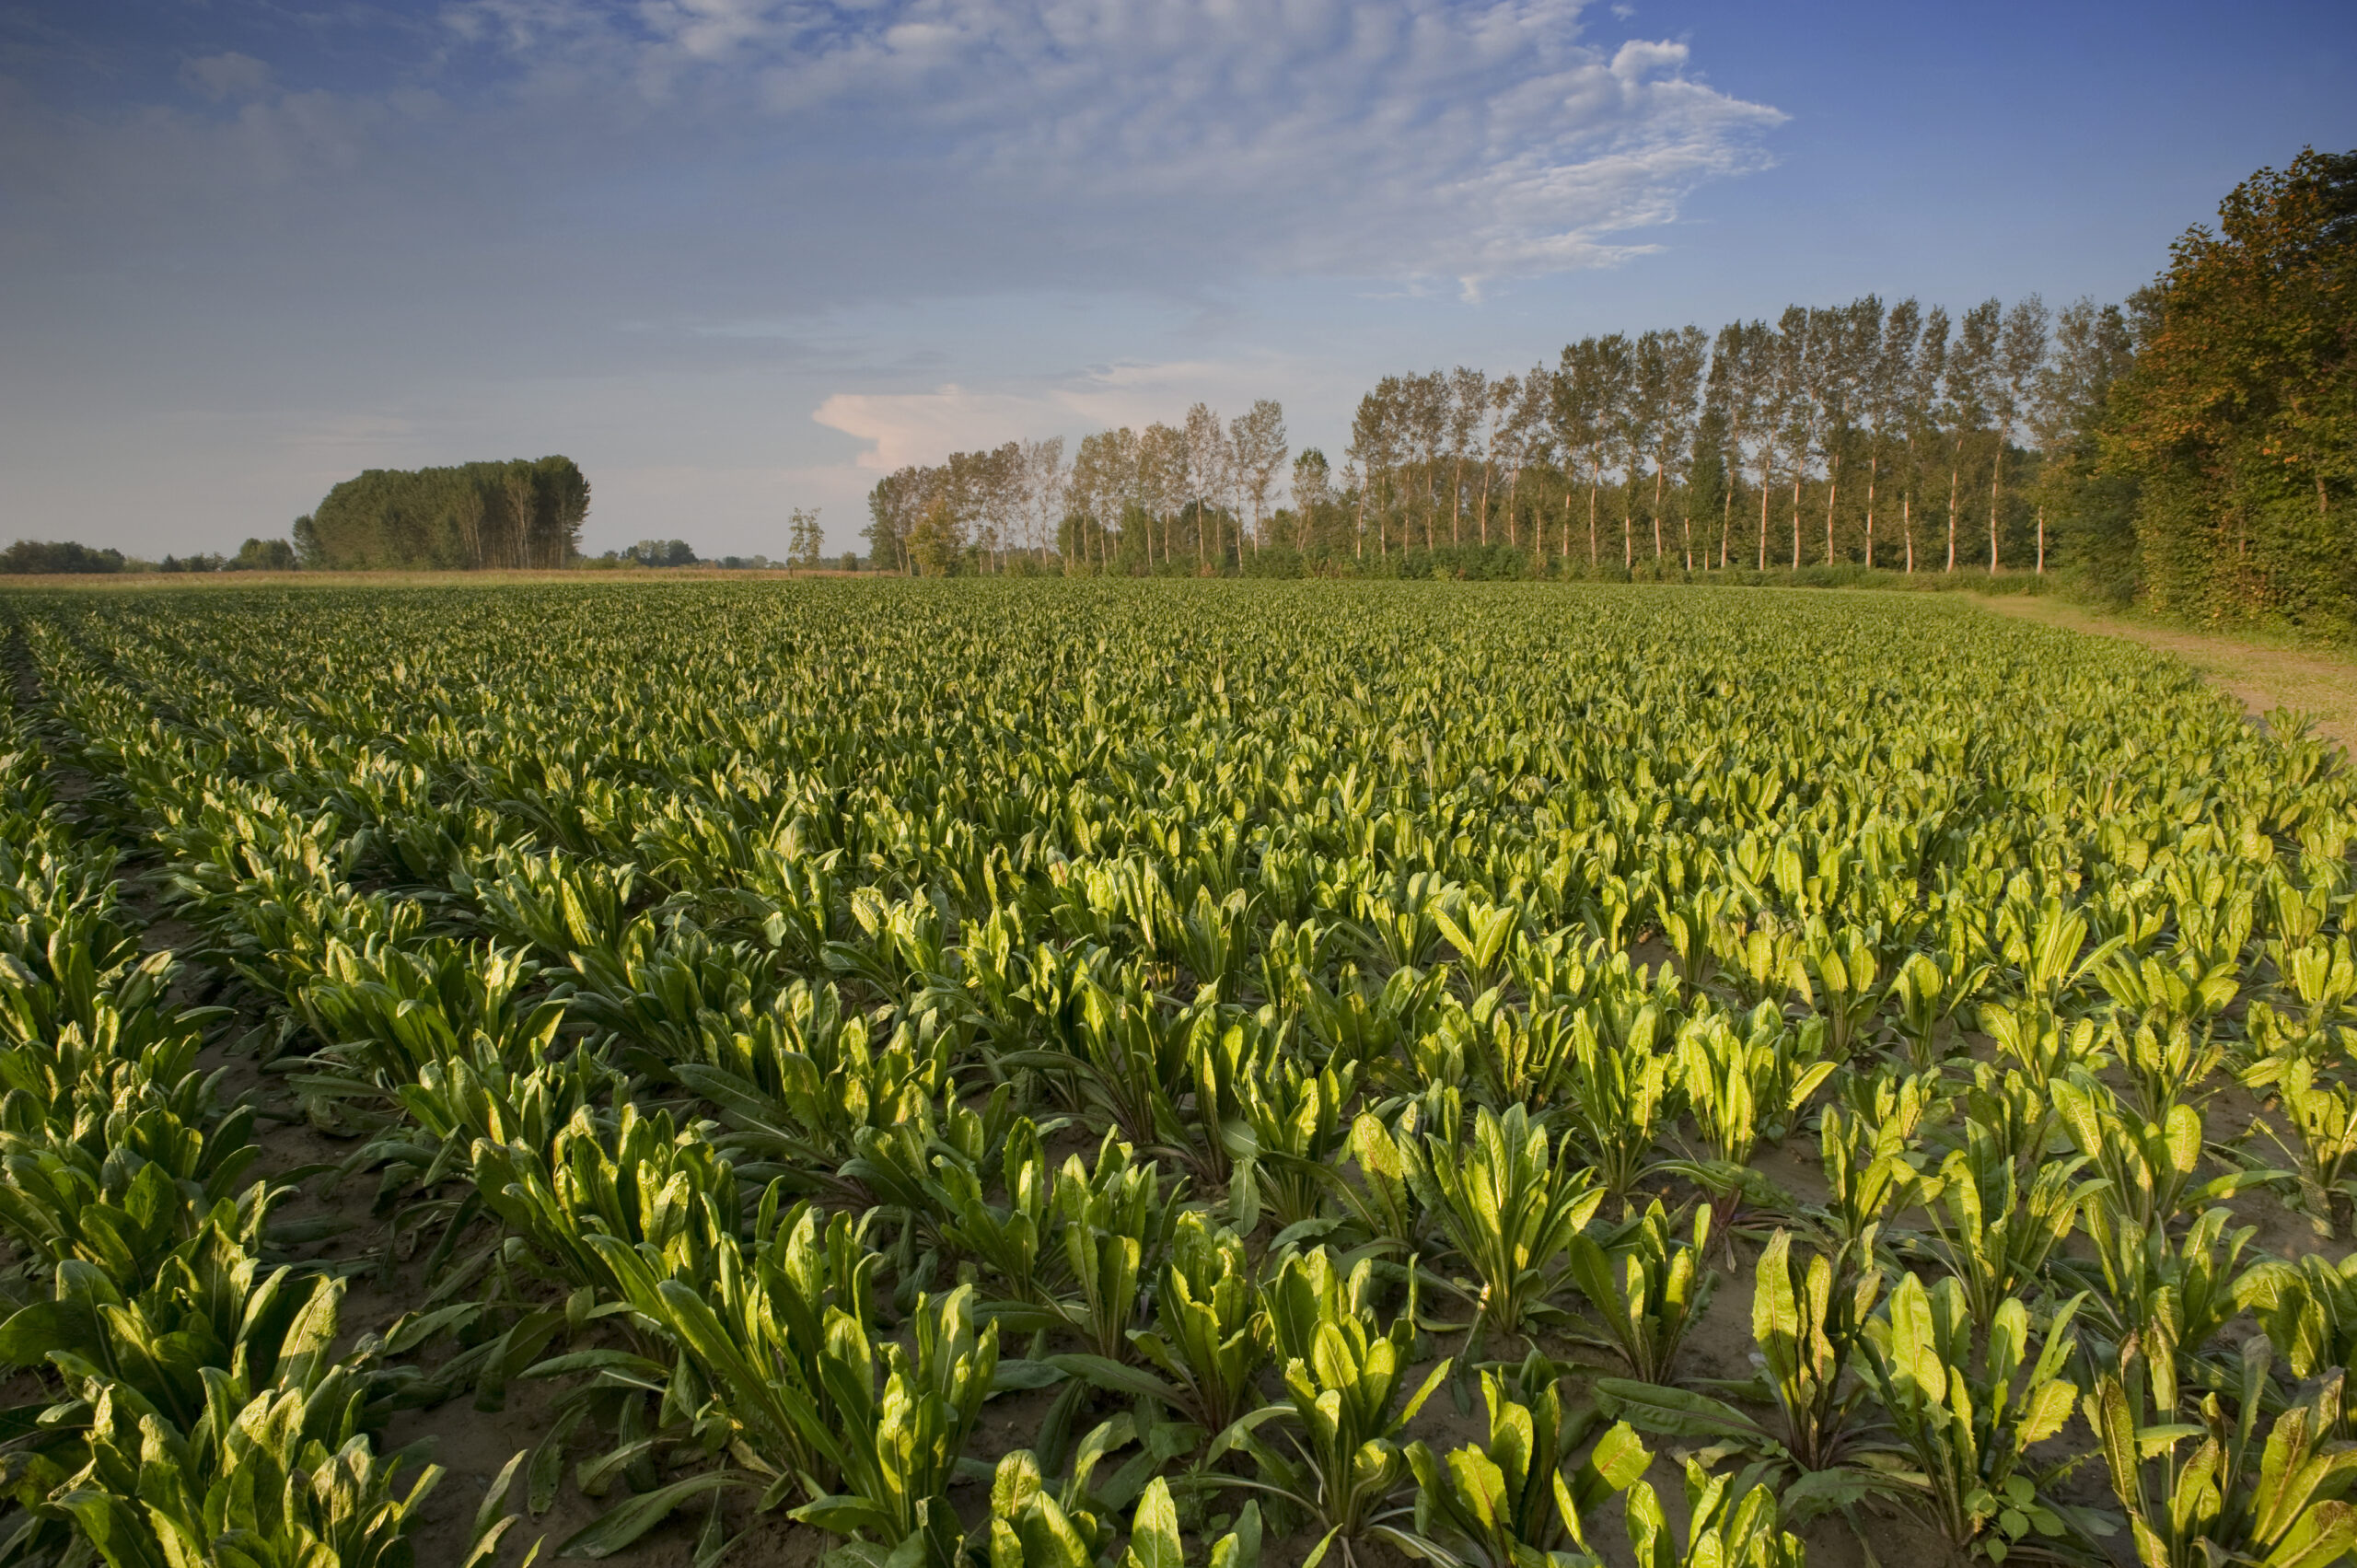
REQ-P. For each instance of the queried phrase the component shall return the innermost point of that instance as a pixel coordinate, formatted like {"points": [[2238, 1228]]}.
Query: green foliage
{"points": [[2202, 1491], [1342, 1414], [2236, 418], [1809, 1322], [899, 1443], [1509, 1501], [1510, 1209], [521, 513], [1648, 1291], [1730, 1523], [61, 555], [1969, 1426], [740, 1057]]}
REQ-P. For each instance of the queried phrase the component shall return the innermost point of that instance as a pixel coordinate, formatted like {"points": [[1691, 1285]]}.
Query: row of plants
{"points": [[194, 1400], [1067, 997]]}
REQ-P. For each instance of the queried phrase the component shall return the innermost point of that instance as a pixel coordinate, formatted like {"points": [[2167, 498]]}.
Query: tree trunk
{"points": [[1832, 488], [1595, 483], [1726, 519], [1763, 516], [1873, 472], [1658, 476], [1996, 475], [1628, 523], [1514, 483], [1955, 467], [2041, 539], [1456, 501], [1485, 503], [1796, 519]]}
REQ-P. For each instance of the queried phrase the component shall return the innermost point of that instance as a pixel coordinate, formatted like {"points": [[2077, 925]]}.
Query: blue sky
{"points": [[738, 256]]}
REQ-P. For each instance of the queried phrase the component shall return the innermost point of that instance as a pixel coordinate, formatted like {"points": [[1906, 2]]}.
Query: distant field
{"points": [[1057, 1073]]}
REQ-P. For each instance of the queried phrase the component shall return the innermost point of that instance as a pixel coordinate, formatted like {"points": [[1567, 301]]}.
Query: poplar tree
{"points": [[1884, 397], [1970, 389]]}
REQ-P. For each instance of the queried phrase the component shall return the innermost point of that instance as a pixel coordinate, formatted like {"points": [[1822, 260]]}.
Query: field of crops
{"points": [[1035, 1075]]}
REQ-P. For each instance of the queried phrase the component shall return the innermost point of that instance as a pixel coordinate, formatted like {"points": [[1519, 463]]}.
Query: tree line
{"points": [[2194, 447], [470, 516], [35, 556]]}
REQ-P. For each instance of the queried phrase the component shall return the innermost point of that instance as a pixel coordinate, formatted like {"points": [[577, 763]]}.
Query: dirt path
{"points": [[2318, 685]]}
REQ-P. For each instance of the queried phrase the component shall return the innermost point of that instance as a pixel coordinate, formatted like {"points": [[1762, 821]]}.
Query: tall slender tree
{"points": [[1884, 397], [1850, 334], [1971, 371], [1733, 393], [1499, 438], [1374, 450], [1581, 413], [2021, 353], [1669, 371], [1925, 409], [1311, 488], [1469, 404], [1534, 442], [1257, 447], [2092, 350], [1786, 418]]}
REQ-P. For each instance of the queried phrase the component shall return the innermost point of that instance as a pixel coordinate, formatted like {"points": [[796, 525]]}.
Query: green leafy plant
{"points": [[2309, 1313], [1509, 1501], [2320, 1102], [2224, 1498], [2168, 1296], [1509, 1208], [770, 1364], [1742, 1088], [900, 1443], [1206, 1344], [1809, 1323], [1999, 1208], [1341, 1412], [1032, 1526], [1619, 1094], [1154, 1536], [1730, 1523], [1927, 991], [1969, 1426], [1647, 1292]]}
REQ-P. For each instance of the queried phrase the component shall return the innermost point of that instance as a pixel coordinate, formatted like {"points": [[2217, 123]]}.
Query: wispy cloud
{"points": [[677, 235], [1338, 137], [947, 145], [230, 74]]}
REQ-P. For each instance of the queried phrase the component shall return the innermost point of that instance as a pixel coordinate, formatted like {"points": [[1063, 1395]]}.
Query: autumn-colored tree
{"points": [[2240, 417]]}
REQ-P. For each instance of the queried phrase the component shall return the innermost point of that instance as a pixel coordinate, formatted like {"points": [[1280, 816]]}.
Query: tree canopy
{"points": [[2237, 421], [520, 513]]}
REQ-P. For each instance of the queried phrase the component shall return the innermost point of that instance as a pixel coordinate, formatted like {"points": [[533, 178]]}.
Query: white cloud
{"points": [[218, 77]]}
